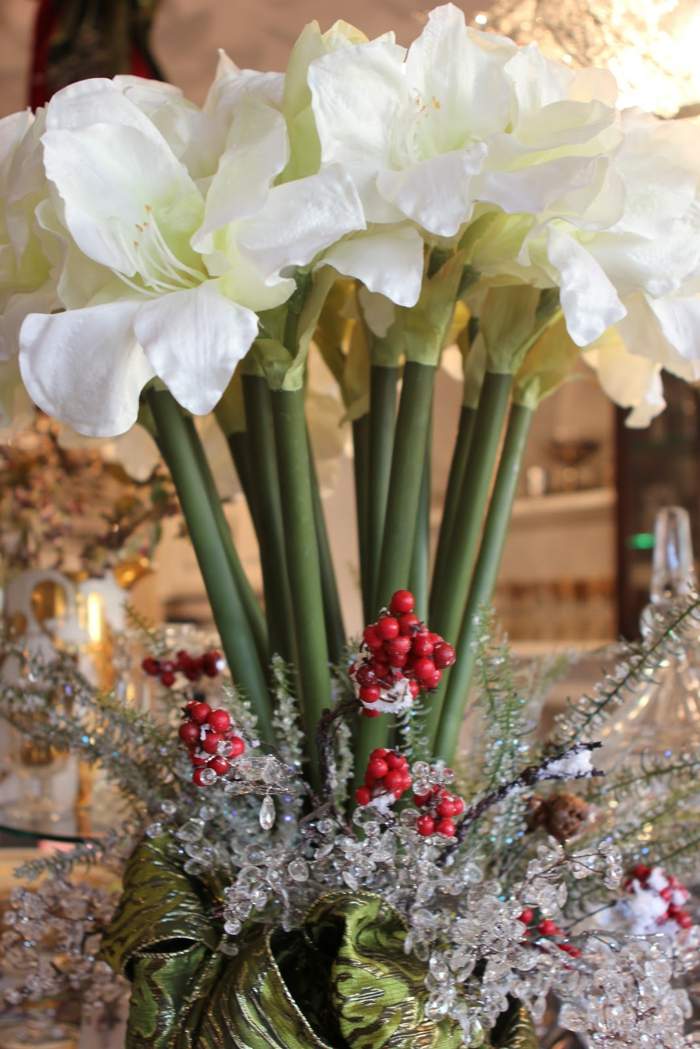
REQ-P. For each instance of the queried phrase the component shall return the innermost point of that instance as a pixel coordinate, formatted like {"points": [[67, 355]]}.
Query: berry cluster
{"points": [[672, 891], [211, 741], [209, 664], [387, 777], [537, 926], [438, 810], [400, 658]]}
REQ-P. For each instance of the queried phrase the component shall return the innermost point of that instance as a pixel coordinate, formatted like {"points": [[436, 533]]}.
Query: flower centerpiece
{"points": [[372, 205]]}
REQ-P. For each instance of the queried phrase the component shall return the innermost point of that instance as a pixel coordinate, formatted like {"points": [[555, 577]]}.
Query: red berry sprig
{"points": [[400, 658], [438, 811], [669, 888], [209, 664], [546, 928], [387, 777], [211, 740]]}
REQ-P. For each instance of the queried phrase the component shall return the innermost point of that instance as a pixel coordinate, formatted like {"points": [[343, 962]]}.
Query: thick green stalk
{"points": [[332, 610], [227, 607], [452, 593], [239, 445], [484, 581], [248, 598], [410, 440], [265, 492], [455, 481], [302, 563], [382, 420], [420, 562], [360, 443]]}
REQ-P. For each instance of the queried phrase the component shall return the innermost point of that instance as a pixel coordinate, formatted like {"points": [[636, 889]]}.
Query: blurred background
{"points": [[577, 565]]}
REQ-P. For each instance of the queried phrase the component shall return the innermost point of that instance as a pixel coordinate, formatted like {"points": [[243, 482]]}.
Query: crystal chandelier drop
{"points": [[650, 45]]}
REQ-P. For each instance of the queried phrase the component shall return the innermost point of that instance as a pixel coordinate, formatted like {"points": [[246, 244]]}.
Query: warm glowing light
{"points": [[94, 616]]}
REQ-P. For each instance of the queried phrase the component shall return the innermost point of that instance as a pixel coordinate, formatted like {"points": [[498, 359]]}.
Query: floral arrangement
{"points": [[369, 207], [453, 900]]}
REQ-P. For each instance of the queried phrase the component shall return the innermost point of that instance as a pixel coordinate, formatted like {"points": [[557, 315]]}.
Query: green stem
{"points": [[239, 445], [248, 598], [332, 611], [302, 563], [451, 596], [382, 420], [455, 481], [265, 492], [410, 439], [420, 562], [484, 581], [360, 442], [227, 607]]}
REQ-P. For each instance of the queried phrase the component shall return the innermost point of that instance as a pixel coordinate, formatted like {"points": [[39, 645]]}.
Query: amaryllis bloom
{"points": [[141, 301], [460, 117]]}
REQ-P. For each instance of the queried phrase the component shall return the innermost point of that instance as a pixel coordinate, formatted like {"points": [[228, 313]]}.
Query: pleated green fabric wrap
{"points": [[342, 981]]}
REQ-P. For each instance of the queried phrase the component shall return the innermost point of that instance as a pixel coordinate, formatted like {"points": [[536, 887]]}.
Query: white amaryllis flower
{"points": [[144, 293], [461, 117]]}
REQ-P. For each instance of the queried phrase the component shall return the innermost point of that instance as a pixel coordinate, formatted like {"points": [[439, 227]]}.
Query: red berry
{"points": [[446, 828], [377, 768], [422, 799], [151, 666], [366, 675], [197, 778], [527, 916], [200, 712], [422, 646], [403, 601], [363, 795], [414, 688], [220, 720], [193, 672], [396, 761], [189, 733], [387, 628], [641, 872], [424, 669], [394, 780], [237, 747], [198, 761], [457, 807], [370, 693], [371, 637], [425, 825], [547, 927], [380, 752], [444, 655], [408, 624], [381, 670], [371, 713], [433, 680], [445, 808], [211, 742], [210, 662], [406, 781], [167, 678], [575, 952], [220, 765]]}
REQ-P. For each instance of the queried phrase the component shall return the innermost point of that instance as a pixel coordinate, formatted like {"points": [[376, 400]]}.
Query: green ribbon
{"points": [[341, 981]]}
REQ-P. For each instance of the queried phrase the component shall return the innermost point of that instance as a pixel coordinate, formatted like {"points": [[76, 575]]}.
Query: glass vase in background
{"points": [[664, 716]]}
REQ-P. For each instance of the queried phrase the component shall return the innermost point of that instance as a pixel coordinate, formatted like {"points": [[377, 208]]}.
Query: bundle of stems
{"points": [[515, 352]]}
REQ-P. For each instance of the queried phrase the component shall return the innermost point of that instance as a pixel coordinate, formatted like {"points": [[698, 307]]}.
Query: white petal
{"points": [[662, 332], [96, 101], [458, 74], [257, 153], [14, 312], [436, 193], [12, 130], [193, 340], [588, 299], [629, 380], [300, 219], [107, 175], [679, 320], [177, 119], [85, 366], [386, 260], [357, 94], [537, 81]]}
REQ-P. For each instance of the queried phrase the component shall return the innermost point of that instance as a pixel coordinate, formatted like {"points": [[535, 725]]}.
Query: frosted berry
{"points": [[425, 825], [211, 742], [220, 720], [371, 637], [167, 678], [422, 646], [444, 655], [200, 712], [189, 733], [151, 666], [402, 601], [387, 628], [446, 828], [370, 693], [237, 747], [377, 768], [409, 624], [363, 795], [219, 765]]}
